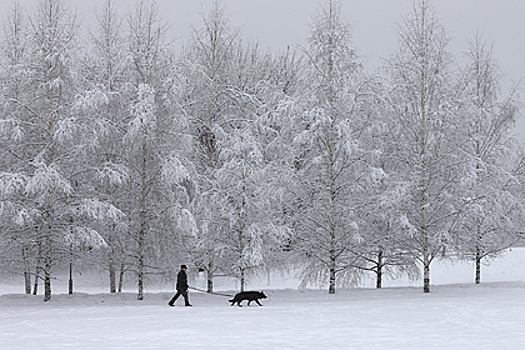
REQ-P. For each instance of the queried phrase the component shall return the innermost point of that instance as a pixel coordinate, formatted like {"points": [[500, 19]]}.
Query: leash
{"points": [[205, 291]]}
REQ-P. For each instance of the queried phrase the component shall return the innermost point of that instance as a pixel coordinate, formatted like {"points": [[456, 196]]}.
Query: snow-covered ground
{"points": [[490, 316], [453, 316]]}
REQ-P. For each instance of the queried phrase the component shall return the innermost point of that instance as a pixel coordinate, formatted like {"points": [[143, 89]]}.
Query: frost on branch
{"points": [[144, 109], [253, 250], [24, 217], [47, 180], [242, 151], [10, 129], [185, 222], [99, 210], [81, 236], [174, 171], [115, 173], [65, 129], [12, 184], [91, 99]]}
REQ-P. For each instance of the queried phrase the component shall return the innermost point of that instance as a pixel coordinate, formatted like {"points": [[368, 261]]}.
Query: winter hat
{"points": [[183, 267]]}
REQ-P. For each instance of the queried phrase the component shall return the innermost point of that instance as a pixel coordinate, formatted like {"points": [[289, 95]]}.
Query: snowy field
{"points": [[452, 316], [490, 316]]}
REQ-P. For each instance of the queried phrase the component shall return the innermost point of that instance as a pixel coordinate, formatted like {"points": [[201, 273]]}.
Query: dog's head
{"points": [[262, 295]]}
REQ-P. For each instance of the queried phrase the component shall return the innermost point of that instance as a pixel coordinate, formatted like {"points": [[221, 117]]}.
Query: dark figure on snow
{"points": [[250, 296], [182, 287]]}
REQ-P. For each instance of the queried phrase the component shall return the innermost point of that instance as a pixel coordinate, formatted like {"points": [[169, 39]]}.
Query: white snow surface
{"points": [[490, 316], [453, 316]]}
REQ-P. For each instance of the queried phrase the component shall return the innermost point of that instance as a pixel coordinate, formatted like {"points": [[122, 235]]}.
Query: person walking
{"points": [[182, 287]]}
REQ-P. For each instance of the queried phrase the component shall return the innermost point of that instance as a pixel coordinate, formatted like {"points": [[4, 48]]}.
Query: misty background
{"points": [[277, 24]]}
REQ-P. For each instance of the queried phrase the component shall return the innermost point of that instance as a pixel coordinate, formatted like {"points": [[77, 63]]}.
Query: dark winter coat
{"points": [[182, 281]]}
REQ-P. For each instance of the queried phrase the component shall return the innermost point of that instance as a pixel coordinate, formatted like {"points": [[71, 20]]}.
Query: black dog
{"points": [[250, 296]]}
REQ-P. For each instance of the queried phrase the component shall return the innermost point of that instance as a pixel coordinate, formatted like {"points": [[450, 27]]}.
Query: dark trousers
{"points": [[184, 293]]}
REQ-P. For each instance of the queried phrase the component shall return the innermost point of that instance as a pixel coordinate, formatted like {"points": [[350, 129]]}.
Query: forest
{"points": [[127, 156]]}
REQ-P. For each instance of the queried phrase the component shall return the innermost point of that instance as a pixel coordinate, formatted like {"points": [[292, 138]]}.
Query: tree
{"points": [[16, 87], [246, 157], [207, 63], [384, 251], [57, 208], [153, 141], [106, 74], [426, 131], [330, 152], [487, 225]]}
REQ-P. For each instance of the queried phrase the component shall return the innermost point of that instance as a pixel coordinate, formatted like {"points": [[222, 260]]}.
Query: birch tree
{"points": [[156, 168], [15, 87], [330, 152], [58, 206], [426, 131], [246, 164], [384, 252], [488, 223], [106, 74], [207, 60]]}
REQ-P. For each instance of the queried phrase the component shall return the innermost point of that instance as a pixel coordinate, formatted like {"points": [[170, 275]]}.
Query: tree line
{"points": [[134, 157]]}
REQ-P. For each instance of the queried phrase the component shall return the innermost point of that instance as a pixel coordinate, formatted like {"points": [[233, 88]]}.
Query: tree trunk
{"points": [[426, 275], [35, 286], [209, 284], [47, 279], [379, 271], [241, 231], [37, 268], [142, 231], [331, 287], [27, 272], [243, 279], [112, 286], [27, 282], [426, 261], [71, 259], [478, 266], [70, 277], [209, 288], [140, 295], [47, 271], [121, 278]]}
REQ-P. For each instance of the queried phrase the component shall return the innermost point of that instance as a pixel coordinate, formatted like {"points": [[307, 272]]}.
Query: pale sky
{"points": [[278, 23]]}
